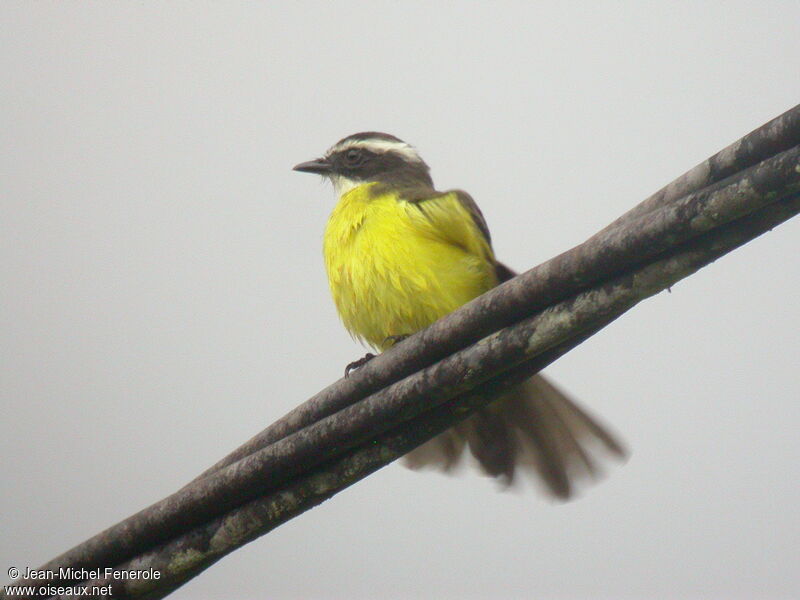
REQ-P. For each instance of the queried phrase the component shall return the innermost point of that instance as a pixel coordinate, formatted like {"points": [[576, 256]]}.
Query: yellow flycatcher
{"points": [[399, 256]]}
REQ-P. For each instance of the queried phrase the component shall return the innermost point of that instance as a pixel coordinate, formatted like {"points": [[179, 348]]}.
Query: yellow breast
{"points": [[395, 267]]}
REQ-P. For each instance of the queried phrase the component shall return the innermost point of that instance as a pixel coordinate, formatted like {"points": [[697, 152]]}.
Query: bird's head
{"points": [[367, 157]]}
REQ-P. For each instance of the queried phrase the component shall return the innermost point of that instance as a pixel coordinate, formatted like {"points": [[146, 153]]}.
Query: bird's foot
{"points": [[358, 363], [394, 339]]}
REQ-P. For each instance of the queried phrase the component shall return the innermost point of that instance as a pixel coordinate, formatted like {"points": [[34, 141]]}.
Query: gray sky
{"points": [[163, 298]]}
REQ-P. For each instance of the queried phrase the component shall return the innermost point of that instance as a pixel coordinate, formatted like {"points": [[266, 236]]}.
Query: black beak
{"points": [[320, 166]]}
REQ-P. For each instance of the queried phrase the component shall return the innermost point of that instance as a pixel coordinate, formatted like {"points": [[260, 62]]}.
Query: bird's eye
{"points": [[353, 157]]}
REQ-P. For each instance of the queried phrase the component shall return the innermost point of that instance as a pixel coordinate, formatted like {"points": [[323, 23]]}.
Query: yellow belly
{"points": [[393, 270]]}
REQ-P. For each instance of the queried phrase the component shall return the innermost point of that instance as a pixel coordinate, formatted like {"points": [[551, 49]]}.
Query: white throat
{"points": [[342, 184]]}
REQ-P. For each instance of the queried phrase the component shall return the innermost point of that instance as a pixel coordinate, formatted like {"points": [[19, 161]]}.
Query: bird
{"points": [[400, 255]]}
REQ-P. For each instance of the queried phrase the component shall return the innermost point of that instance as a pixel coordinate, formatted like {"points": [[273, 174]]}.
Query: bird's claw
{"points": [[358, 363]]}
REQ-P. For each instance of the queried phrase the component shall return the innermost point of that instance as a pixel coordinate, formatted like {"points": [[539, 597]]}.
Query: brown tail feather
{"points": [[492, 442], [534, 427]]}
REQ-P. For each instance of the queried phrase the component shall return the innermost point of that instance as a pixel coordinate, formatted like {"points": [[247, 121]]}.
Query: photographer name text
{"points": [[91, 574]]}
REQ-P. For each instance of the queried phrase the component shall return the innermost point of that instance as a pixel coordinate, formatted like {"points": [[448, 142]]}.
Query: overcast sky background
{"points": [[163, 296]]}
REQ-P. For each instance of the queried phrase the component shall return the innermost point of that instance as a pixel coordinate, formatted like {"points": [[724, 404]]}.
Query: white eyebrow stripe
{"points": [[406, 150]]}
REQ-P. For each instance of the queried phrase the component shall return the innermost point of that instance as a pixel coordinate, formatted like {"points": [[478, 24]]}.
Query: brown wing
{"points": [[502, 271], [419, 195], [475, 212]]}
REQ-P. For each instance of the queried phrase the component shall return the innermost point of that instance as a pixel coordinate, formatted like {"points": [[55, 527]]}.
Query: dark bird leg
{"points": [[358, 363], [392, 339]]}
